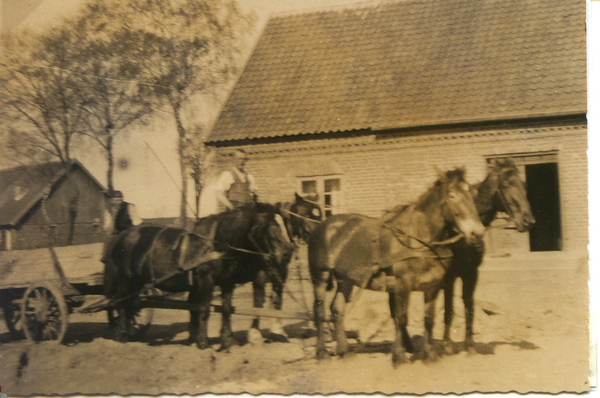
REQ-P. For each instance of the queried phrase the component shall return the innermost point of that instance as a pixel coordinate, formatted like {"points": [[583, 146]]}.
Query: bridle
{"points": [[434, 241], [504, 200]]}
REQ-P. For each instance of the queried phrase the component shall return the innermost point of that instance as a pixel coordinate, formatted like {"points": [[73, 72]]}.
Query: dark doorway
{"points": [[543, 195]]}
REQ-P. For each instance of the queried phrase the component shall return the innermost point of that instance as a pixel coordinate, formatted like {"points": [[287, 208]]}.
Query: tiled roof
{"points": [[410, 63], [23, 187]]}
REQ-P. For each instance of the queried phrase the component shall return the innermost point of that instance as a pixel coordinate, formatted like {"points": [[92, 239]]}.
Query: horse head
{"points": [[270, 237], [459, 207], [511, 195], [305, 216]]}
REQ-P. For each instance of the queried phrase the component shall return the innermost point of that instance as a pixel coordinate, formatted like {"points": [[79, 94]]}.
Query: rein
{"points": [[299, 216], [428, 245], [272, 269]]}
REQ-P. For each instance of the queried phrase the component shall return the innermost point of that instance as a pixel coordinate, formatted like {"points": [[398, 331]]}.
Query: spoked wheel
{"points": [[141, 320], [44, 313], [12, 317]]}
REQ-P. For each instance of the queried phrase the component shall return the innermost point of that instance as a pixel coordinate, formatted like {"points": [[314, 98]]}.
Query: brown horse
{"points": [[406, 251], [501, 191]]}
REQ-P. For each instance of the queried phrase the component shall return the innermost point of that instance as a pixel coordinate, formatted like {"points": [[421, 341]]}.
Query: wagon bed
{"points": [[44, 285], [79, 265]]}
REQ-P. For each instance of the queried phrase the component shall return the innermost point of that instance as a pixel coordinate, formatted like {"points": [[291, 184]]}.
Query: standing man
{"points": [[235, 187]]}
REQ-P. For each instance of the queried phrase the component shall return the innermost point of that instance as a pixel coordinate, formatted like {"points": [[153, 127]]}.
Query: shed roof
{"points": [[410, 63], [23, 187]]}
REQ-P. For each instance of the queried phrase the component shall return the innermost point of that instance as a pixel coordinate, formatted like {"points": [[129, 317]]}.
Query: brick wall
{"points": [[379, 173]]}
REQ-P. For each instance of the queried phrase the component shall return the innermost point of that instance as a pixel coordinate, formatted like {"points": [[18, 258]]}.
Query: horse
{"points": [[403, 252], [300, 217], [154, 256], [256, 248], [501, 191]]}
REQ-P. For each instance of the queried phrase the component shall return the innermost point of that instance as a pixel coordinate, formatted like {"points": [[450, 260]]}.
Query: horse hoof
{"points": [[254, 336], [278, 338], [431, 356], [322, 354], [203, 345], [448, 350], [121, 338], [398, 359], [341, 352], [228, 342]]}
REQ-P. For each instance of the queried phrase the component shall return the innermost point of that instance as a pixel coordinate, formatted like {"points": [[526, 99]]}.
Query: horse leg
{"points": [[123, 325], [399, 310], [429, 322], [469, 283], [320, 288], [338, 308], [258, 289], [201, 294], [227, 339], [277, 331], [125, 314], [448, 309]]}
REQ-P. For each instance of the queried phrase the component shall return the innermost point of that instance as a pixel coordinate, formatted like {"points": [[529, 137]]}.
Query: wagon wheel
{"points": [[12, 317], [141, 320], [44, 313]]}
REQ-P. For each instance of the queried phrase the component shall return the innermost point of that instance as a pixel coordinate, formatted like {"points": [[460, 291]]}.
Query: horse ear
{"points": [[298, 197]]}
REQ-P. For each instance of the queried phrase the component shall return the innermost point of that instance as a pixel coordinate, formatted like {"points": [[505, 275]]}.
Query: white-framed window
{"points": [[327, 190]]}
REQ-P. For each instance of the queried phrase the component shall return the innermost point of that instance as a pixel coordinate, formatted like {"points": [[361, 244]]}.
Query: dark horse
{"points": [[404, 252], [255, 246], [501, 191], [301, 217], [154, 255]]}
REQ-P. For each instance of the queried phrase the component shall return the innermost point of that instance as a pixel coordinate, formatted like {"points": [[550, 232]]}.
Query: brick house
{"points": [[359, 105], [72, 214]]}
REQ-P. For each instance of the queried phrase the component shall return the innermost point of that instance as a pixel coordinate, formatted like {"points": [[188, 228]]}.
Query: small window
{"points": [[329, 192]]}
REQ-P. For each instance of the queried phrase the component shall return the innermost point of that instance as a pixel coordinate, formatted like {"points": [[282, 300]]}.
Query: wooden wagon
{"points": [[39, 288]]}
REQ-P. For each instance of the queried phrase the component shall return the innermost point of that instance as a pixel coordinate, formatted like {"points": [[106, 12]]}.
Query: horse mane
{"points": [[391, 214], [427, 197], [451, 176], [506, 167]]}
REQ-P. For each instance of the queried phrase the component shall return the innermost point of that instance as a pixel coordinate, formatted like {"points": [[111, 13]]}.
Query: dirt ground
{"points": [[531, 334]]}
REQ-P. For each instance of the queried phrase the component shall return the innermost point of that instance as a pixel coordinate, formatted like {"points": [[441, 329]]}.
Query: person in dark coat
{"points": [[120, 216]]}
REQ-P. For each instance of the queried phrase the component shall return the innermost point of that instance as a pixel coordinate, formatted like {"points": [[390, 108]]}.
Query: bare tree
{"points": [[70, 80], [186, 48], [42, 106], [115, 98]]}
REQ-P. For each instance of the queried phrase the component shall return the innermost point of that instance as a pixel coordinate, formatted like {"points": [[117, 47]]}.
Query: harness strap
{"points": [[429, 246]]}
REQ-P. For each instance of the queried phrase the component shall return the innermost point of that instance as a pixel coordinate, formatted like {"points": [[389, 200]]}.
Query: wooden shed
{"points": [[359, 105], [50, 204]]}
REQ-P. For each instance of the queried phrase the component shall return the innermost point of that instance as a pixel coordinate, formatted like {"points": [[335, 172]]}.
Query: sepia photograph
{"points": [[294, 197]]}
